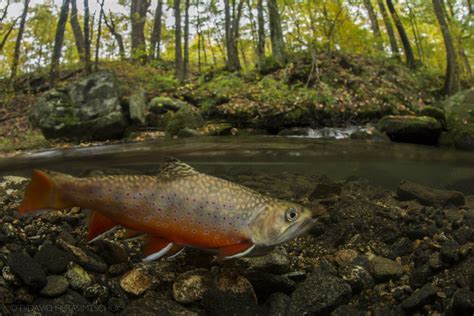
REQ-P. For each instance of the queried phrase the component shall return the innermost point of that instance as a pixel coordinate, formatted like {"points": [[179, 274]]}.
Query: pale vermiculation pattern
{"points": [[196, 209]]}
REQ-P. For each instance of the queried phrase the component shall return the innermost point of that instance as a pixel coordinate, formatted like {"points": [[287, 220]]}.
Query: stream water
{"points": [[383, 164]]}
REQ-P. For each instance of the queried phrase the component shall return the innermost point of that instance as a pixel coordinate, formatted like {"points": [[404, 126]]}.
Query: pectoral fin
{"points": [[235, 251], [98, 226], [155, 248]]}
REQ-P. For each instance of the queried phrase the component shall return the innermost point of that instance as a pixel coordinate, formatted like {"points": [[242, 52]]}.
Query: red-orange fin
{"points": [[98, 225], [156, 248], [40, 194], [130, 233], [234, 251]]}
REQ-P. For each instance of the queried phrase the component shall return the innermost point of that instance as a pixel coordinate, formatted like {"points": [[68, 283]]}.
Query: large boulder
{"points": [[411, 129], [88, 109], [159, 106], [138, 108], [187, 117], [460, 117]]}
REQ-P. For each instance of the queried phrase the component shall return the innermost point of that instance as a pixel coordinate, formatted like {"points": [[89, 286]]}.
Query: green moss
{"points": [[28, 141]]}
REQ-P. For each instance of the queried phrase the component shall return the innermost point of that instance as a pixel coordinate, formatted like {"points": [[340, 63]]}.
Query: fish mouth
{"points": [[296, 230]]}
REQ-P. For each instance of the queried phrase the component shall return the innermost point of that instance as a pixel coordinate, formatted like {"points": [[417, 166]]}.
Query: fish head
{"points": [[278, 221]]}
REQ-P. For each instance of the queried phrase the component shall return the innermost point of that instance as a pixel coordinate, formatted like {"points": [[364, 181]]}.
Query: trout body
{"points": [[180, 207]]}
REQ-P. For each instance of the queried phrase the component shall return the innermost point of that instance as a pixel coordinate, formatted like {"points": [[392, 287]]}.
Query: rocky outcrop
{"points": [[411, 129], [88, 109], [460, 117]]}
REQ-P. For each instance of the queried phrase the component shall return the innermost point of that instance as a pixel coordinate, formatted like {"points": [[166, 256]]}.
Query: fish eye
{"points": [[291, 214]]}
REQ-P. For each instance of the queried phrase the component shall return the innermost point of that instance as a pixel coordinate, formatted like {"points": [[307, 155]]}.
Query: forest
{"points": [[198, 36], [267, 65]]}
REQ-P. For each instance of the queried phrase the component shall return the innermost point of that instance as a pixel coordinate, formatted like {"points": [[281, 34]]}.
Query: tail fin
{"points": [[40, 194]]}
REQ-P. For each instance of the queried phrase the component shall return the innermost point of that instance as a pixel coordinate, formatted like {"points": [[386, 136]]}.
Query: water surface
{"points": [[381, 163]]}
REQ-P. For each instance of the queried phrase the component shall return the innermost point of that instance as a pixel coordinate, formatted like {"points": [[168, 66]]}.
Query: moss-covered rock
{"points": [[460, 117], [411, 129], [158, 107], [187, 117], [436, 113], [88, 109]]}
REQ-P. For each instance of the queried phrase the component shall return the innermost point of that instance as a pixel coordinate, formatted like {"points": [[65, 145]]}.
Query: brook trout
{"points": [[180, 207]]}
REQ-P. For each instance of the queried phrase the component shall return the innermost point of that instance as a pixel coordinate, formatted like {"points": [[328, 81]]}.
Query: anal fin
{"points": [[155, 248], [98, 225], [234, 251]]}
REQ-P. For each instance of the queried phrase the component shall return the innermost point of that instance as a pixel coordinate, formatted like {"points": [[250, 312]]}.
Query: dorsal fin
{"points": [[174, 168]]}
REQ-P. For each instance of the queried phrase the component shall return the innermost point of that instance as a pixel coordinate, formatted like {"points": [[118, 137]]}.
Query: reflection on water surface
{"points": [[380, 163]]}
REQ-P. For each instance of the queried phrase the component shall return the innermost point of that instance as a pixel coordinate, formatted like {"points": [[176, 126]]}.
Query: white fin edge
{"points": [[107, 232], [159, 254], [176, 254], [240, 254]]}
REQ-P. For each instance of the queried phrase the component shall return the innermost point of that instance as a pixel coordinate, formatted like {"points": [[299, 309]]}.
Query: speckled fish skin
{"points": [[186, 207]]}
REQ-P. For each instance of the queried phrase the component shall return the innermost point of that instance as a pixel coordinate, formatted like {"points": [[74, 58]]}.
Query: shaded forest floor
{"points": [[336, 90]]}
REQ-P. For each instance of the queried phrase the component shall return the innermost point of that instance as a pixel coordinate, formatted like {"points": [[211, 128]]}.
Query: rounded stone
{"points": [[56, 286], [190, 286]]}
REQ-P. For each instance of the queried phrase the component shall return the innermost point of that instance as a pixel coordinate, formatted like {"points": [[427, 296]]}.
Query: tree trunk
{"points": [[76, 29], [87, 39], [261, 35], [155, 40], [451, 83], [232, 21], [118, 37], [99, 33], [138, 10], [403, 36], [7, 35], [186, 38], [5, 11], [276, 34], [58, 42], [16, 53], [374, 23], [390, 33], [179, 67]]}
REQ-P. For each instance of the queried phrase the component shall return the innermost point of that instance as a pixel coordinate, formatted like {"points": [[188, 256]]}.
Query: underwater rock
{"points": [[216, 302], [319, 294], [111, 252], [27, 269], [231, 282], [137, 107], [88, 109], [276, 262], [462, 303], [71, 303], [153, 303], [325, 188], [383, 269], [411, 129], [53, 258], [135, 282], [408, 190], [188, 132], [190, 286], [278, 304], [78, 277], [265, 284], [85, 257], [449, 252], [345, 310], [56, 286], [358, 278], [421, 275], [422, 296]]}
